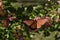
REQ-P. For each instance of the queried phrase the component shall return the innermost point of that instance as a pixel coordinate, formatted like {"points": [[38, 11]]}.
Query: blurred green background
{"points": [[14, 12]]}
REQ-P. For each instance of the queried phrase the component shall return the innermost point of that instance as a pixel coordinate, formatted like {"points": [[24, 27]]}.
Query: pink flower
{"points": [[47, 17], [36, 18], [58, 2], [1, 4], [48, 0]]}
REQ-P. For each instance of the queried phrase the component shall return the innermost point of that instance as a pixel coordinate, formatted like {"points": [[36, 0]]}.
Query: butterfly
{"points": [[37, 23]]}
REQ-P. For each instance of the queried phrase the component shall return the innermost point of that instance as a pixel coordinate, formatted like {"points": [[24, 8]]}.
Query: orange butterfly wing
{"points": [[35, 24], [28, 22], [41, 22], [31, 23]]}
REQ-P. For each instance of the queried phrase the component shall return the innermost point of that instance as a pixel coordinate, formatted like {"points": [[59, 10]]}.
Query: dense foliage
{"points": [[11, 19]]}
